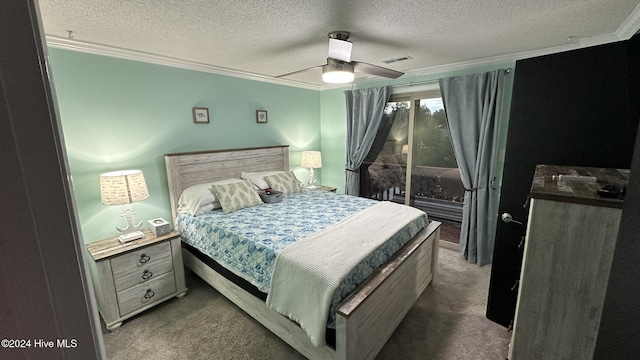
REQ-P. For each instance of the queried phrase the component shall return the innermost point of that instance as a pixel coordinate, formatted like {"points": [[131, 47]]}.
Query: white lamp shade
{"points": [[311, 159], [123, 187]]}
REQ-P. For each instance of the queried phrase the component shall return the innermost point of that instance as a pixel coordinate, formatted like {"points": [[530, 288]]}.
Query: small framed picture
{"points": [[261, 116], [200, 115]]}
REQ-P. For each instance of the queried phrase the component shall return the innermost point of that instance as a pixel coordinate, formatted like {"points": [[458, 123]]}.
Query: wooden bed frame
{"points": [[366, 319]]}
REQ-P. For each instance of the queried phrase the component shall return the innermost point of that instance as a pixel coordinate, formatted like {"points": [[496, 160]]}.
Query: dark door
{"points": [[619, 323], [569, 108], [43, 284]]}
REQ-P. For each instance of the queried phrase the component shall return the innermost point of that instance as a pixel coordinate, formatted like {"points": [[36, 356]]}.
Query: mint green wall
{"points": [[119, 114], [333, 127], [333, 135]]}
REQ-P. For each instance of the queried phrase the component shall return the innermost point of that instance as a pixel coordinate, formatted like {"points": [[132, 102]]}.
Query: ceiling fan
{"points": [[339, 68]]}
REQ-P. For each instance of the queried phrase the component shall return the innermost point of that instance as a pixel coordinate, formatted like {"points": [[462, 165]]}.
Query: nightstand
{"points": [[133, 277], [326, 188]]}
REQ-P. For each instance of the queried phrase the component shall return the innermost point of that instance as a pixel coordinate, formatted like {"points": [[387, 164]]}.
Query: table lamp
{"points": [[311, 160], [123, 188]]}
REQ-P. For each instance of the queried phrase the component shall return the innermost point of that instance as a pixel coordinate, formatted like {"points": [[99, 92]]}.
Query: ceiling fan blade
{"points": [[340, 50], [300, 71], [375, 70]]}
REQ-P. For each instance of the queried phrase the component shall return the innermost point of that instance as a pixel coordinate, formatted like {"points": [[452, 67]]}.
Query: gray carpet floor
{"points": [[447, 322]]}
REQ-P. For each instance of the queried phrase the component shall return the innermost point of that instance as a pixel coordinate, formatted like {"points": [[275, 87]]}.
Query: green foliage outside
{"points": [[432, 144]]}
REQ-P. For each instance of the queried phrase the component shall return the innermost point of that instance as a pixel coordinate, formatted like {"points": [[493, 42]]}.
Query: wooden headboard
{"points": [[191, 168]]}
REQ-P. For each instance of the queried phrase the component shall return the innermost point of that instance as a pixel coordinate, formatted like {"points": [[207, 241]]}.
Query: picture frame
{"points": [[200, 115], [262, 117]]}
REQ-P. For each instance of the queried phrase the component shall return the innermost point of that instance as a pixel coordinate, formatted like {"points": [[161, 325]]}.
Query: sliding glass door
{"points": [[412, 161]]}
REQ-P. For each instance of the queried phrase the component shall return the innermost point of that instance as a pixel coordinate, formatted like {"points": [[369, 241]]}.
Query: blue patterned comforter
{"points": [[247, 241]]}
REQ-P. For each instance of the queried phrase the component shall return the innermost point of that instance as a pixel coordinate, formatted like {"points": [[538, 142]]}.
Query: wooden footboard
{"points": [[364, 321]]}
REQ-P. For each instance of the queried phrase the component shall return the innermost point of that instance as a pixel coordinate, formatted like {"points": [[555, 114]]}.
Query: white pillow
{"points": [[199, 198], [257, 178]]}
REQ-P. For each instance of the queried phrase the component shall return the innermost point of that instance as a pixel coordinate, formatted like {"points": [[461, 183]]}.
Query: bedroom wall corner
{"points": [[333, 130]]}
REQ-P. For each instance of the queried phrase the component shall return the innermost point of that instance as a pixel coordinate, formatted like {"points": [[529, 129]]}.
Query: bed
{"points": [[365, 319]]}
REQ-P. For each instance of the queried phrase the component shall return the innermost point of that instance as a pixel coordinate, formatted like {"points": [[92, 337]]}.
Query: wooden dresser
{"points": [[132, 277], [571, 236]]}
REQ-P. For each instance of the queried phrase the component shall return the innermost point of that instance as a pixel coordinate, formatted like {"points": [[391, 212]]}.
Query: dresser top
{"points": [[547, 186]]}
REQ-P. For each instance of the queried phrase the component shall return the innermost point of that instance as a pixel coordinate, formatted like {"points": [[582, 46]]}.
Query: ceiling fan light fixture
{"points": [[337, 73]]}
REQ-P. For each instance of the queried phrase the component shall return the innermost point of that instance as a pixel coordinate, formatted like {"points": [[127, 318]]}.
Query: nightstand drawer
{"points": [[126, 278], [128, 269], [145, 294]]}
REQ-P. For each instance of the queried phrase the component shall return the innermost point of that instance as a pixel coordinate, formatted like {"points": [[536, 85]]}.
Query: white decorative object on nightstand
{"points": [[159, 226], [132, 277]]}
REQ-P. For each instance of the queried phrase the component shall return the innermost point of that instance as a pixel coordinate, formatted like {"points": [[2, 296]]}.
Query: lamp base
{"points": [[125, 238], [131, 232], [312, 179]]}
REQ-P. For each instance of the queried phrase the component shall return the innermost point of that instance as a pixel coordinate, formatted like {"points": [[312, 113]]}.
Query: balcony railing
{"points": [[438, 191]]}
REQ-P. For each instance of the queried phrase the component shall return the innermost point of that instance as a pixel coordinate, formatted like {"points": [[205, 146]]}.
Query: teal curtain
{"points": [[365, 108], [472, 104]]}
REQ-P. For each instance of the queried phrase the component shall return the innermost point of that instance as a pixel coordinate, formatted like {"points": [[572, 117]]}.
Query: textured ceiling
{"points": [[269, 38]]}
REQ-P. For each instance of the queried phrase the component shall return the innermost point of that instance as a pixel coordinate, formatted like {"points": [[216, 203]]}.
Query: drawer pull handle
{"points": [[148, 295], [144, 258], [146, 275]]}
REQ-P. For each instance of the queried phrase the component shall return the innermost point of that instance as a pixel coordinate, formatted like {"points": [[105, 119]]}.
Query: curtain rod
{"points": [[427, 82]]}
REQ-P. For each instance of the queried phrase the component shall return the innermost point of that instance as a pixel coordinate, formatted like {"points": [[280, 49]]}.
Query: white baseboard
{"points": [[449, 245]]}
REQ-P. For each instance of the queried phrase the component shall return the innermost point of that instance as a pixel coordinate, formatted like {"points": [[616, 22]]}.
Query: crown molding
{"points": [[629, 28], [104, 50], [502, 59], [494, 60]]}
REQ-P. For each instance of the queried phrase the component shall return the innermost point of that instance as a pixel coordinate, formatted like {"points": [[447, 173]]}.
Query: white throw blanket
{"points": [[307, 273]]}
